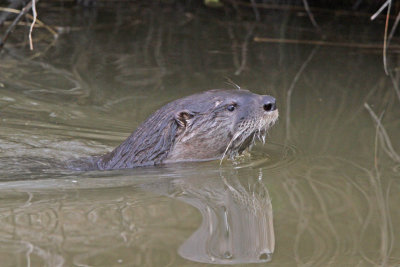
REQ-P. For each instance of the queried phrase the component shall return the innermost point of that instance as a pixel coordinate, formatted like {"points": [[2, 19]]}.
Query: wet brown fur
{"points": [[194, 128]]}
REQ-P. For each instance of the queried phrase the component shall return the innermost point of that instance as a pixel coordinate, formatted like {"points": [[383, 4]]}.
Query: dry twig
{"points": [[14, 24], [387, 4], [33, 23], [21, 13]]}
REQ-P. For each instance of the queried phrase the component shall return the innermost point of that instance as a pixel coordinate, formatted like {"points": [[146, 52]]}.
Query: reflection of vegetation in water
{"points": [[44, 228], [328, 214], [338, 186], [333, 178], [122, 224]]}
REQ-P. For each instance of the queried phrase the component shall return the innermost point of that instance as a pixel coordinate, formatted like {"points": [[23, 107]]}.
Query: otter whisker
{"points": [[236, 135], [254, 140], [263, 138], [230, 82]]}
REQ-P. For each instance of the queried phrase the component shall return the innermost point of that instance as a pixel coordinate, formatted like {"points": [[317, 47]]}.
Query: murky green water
{"points": [[323, 191]]}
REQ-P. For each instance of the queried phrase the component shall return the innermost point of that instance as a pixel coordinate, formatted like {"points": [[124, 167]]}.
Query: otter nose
{"points": [[269, 103]]}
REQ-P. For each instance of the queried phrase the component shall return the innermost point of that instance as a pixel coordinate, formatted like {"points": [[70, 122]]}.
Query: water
{"points": [[323, 190]]}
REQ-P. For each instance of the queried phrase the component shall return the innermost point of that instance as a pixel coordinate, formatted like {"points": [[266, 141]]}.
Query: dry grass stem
{"points": [[14, 24], [38, 23], [377, 13], [385, 39], [33, 23], [387, 4]]}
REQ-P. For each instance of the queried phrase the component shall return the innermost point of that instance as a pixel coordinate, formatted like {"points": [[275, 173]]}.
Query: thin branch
{"points": [[33, 23], [13, 4], [380, 9], [385, 39], [38, 22], [14, 24], [388, 4]]}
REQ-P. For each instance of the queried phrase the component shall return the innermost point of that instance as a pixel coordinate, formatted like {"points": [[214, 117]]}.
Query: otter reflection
{"points": [[237, 224]]}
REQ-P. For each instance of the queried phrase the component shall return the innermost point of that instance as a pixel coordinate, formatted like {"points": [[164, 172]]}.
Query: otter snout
{"points": [[269, 103]]}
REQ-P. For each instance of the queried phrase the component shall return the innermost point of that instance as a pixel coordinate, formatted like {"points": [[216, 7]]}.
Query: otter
{"points": [[204, 126]]}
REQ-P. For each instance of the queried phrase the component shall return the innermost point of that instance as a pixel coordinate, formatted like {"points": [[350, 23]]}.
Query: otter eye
{"points": [[231, 107]]}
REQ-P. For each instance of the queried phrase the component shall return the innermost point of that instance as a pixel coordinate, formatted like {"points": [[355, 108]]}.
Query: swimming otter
{"points": [[203, 126]]}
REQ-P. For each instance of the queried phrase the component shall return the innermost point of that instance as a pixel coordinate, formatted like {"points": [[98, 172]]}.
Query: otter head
{"points": [[220, 123], [204, 126]]}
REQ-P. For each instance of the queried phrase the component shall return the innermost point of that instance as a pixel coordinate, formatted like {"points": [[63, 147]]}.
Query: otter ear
{"points": [[183, 116]]}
